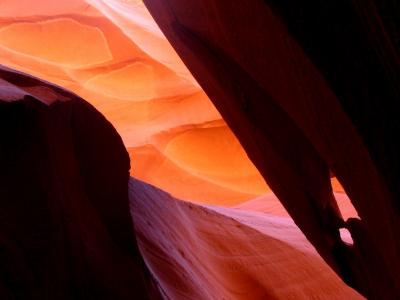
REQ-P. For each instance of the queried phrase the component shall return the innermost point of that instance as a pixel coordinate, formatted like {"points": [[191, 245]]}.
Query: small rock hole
{"points": [[345, 236]]}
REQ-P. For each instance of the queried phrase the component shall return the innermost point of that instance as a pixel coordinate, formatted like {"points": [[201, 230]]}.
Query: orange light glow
{"points": [[113, 54]]}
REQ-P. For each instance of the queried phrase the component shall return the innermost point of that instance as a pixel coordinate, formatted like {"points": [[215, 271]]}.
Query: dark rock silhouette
{"points": [[309, 88], [65, 227]]}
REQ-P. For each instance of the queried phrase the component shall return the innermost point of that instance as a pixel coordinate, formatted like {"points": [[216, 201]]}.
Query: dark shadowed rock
{"points": [[65, 227], [309, 88]]}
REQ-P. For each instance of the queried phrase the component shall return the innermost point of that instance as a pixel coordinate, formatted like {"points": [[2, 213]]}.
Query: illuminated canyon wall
{"points": [[113, 55]]}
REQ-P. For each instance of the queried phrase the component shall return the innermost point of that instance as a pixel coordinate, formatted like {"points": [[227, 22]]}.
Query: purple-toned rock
{"points": [[65, 227]]}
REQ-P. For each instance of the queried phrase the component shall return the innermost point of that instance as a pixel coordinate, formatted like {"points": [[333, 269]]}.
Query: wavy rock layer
{"points": [[208, 252], [112, 54]]}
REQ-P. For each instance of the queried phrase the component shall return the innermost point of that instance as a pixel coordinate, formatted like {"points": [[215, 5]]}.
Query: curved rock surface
{"points": [[210, 252], [124, 66], [67, 234], [112, 54], [268, 84], [65, 228], [310, 88]]}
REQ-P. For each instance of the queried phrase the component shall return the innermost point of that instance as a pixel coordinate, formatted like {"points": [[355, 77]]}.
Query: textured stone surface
{"points": [[211, 252]]}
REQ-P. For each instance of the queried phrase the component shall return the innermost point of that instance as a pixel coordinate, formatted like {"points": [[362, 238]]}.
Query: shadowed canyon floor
{"points": [[208, 252]]}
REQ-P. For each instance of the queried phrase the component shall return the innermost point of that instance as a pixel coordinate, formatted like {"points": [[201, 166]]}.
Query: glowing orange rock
{"points": [[113, 54], [64, 39]]}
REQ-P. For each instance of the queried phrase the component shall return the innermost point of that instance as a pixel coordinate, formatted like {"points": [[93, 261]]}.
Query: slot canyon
{"points": [[199, 149]]}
